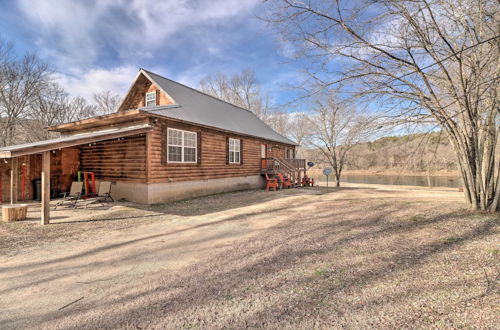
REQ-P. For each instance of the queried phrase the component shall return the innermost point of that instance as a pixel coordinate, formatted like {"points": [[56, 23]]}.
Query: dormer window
{"points": [[150, 99]]}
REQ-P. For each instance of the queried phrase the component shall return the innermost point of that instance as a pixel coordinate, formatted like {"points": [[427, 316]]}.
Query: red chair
{"points": [[271, 183], [307, 181], [285, 182]]}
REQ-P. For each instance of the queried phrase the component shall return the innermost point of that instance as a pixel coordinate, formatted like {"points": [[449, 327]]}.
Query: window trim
{"points": [[152, 100], [182, 146], [238, 151]]}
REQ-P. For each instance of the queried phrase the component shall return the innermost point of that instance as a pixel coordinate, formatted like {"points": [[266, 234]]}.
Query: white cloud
{"points": [[85, 84], [100, 45], [78, 33], [83, 39]]}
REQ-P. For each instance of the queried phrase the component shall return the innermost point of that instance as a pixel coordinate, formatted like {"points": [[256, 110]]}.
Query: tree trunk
{"points": [[477, 196], [337, 179]]}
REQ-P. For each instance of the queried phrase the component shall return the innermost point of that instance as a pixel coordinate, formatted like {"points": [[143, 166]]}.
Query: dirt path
{"points": [[301, 258]]}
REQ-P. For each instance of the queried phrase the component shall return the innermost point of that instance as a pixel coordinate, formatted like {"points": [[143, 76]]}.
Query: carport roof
{"points": [[71, 141]]}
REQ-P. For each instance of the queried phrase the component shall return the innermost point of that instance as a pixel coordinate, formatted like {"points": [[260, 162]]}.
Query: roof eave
{"points": [[37, 149], [75, 125]]}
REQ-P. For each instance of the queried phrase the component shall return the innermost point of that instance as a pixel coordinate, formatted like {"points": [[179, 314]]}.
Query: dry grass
{"points": [[352, 257]]}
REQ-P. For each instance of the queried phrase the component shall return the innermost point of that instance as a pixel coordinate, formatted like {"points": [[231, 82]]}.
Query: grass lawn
{"points": [[353, 257]]}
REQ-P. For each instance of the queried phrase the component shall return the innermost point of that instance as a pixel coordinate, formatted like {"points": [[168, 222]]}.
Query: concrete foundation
{"points": [[131, 191], [172, 191]]}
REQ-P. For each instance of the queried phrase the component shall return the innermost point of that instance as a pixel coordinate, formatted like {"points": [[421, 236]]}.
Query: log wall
{"points": [[136, 97], [64, 165], [213, 163], [139, 159], [121, 159]]}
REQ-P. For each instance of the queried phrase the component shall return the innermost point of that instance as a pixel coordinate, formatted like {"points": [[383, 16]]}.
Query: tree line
{"points": [[430, 63], [31, 99], [423, 62]]}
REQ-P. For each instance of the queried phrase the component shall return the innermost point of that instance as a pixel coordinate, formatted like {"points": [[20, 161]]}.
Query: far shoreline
{"points": [[389, 172]]}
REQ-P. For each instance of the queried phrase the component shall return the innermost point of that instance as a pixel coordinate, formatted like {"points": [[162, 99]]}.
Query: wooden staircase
{"points": [[292, 168]]}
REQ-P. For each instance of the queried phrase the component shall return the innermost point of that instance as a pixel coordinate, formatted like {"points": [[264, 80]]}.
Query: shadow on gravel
{"points": [[237, 217], [226, 201], [278, 249]]}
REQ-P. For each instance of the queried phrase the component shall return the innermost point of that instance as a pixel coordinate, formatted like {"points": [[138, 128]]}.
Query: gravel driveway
{"points": [[357, 257]]}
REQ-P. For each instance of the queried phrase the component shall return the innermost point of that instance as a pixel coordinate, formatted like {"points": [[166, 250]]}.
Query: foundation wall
{"points": [[172, 191], [131, 191]]}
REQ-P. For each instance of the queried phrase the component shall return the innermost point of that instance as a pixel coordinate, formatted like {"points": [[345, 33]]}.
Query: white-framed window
{"points": [[150, 99], [234, 151], [182, 146]]}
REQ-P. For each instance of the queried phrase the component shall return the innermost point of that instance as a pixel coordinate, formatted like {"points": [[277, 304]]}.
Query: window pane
{"points": [[237, 157], [174, 154], [150, 99], [170, 137], [189, 139], [234, 145], [182, 143], [189, 154], [174, 137]]}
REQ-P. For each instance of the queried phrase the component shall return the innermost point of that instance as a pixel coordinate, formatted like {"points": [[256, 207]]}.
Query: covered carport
{"points": [[45, 148]]}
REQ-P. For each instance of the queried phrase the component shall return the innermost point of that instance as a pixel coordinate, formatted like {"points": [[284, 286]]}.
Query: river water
{"points": [[405, 180]]}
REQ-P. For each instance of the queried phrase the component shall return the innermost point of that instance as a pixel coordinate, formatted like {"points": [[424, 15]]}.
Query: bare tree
{"points": [[299, 127], [78, 108], [425, 60], [49, 108], [239, 89], [30, 99], [106, 102], [280, 121], [20, 83], [334, 129]]}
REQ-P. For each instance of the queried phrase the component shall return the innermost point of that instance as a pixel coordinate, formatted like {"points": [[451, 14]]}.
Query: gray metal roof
{"points": [[200, 108], [71, 140]]}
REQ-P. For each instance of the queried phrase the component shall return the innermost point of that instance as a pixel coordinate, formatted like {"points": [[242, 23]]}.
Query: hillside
{"points": [[414, 153]]}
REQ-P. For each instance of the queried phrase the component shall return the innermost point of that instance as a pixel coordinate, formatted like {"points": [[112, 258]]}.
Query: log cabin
{"points": [[166, 142]]}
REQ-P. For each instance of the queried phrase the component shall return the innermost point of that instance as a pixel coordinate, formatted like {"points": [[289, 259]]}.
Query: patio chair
{"points": [[74, 194], [271, 183], [285, 182], [103, 193]]}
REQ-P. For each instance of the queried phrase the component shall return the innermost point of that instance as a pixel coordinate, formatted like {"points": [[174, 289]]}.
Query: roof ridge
{"points": [[198, 91], [182, 89]]}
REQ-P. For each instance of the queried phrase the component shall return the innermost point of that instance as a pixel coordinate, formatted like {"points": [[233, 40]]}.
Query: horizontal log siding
{"points": [[123, 159], [33, 171], [63, 167], [213, 156]]}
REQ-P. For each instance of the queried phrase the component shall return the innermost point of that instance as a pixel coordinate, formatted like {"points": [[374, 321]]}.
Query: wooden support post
{"points": [[46, 188], [13, 180]]}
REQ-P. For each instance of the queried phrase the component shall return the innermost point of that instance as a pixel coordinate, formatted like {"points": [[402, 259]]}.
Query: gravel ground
{"points": [[354, 257]]}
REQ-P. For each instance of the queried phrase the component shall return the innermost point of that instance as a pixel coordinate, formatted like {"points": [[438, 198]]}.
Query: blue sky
{"points": [[98, 45]]}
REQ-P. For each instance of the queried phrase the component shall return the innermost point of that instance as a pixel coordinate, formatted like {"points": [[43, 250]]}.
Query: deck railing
{"points": [[297, 163], [286, 165]]}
